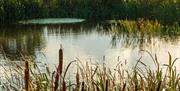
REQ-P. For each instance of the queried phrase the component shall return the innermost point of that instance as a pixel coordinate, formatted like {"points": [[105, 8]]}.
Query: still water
{"points": [[89, 42]]}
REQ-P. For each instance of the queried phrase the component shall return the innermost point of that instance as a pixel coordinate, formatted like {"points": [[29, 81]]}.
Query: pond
{"points": [[88, 42]]}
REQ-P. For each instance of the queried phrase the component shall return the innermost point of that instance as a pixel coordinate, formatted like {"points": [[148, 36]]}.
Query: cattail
{"points": [[26, 77], [64, 86], [82, 88], [59, 69], [107, 81], [56, 81]]}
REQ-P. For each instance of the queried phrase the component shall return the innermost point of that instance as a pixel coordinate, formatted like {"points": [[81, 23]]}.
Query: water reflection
{"points": [[86, 41], [15, 39]]}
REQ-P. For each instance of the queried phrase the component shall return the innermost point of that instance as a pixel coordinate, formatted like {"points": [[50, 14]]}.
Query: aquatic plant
{"points": [[92, 77], [143, 26]]}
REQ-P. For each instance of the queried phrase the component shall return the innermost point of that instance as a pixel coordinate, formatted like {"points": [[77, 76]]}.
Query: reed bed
{"points": [[143, 26], [29, 77]]}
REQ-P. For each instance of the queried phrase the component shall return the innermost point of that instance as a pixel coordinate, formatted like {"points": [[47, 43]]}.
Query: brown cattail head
{"points": [[26, 77], [60, 67]]}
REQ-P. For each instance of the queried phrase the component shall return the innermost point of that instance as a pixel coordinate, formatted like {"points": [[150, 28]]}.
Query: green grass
{"points": [[89, 77]]}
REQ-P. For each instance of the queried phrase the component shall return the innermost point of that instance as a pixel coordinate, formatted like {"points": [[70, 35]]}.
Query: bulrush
{"points": [[59, 69], [26, 77]]}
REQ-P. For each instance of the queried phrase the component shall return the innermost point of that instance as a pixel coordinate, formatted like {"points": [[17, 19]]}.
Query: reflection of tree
{"points": [[66, 29], [114, 41], [16, 39], [27, 39]]}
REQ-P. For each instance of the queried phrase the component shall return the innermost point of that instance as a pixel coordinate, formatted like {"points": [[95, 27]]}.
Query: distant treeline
{"points": [[166, 11]]}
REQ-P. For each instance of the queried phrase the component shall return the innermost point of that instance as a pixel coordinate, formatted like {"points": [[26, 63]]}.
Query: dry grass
{"points": [[93, 78], [141, 25]]}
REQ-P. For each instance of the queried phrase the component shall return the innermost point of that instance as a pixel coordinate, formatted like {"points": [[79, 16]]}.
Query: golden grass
{"points": [[94, 78]]}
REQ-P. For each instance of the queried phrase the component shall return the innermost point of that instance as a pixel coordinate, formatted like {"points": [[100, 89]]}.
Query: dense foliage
{"points": [[167, 11]]}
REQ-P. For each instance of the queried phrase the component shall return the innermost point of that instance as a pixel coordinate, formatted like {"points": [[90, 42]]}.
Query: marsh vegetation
{"points": [[29, 62], [165, 11], [114, 45], [30, 76]]}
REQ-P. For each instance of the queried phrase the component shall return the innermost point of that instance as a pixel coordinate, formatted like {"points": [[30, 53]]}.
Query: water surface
{"points": [[89, 42]]}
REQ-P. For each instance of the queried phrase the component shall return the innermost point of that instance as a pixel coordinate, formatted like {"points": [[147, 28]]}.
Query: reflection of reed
{"points": [[29, 38], [141, 32], [131, 41], [114, 41], [66, 29], [141, 41]]}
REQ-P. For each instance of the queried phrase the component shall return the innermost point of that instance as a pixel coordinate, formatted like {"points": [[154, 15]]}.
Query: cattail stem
{"points": [[124, 87], [106, 89], [97, 88], [64, 86], [56, 82], [26, 77], [82, 88]]}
